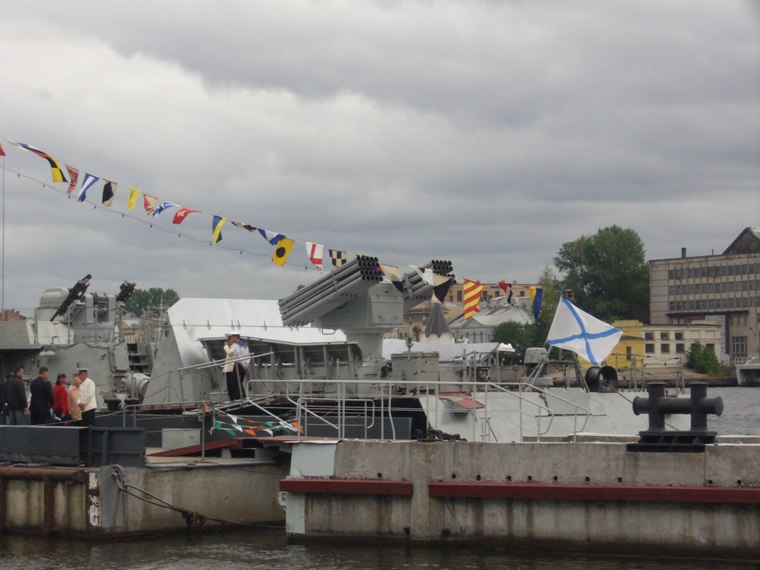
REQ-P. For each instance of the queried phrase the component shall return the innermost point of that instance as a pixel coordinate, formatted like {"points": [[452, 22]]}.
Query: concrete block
{"points": [[677, 469], [174, 438], [732, 465]]}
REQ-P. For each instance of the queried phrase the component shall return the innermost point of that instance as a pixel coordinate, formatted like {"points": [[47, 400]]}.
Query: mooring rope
{"points": [[192, 518]]}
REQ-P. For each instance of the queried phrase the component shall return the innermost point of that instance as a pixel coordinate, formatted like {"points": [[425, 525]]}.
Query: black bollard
{"points": [[657, 406]]}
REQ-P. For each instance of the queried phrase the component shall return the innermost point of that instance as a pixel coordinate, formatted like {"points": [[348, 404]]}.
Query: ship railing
{"points": [[222, 361], [309, 397], [304, 405], [584, 411], [307, 405], [351, 399], [173, 392]]}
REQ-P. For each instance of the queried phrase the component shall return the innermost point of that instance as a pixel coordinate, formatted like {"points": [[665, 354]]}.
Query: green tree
{"points": [[703, 360], [520, 336], [552, 291], [608, 273], [143, 300]]}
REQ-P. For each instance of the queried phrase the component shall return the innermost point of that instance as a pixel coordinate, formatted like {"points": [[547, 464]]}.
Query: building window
{"points": [[649, 348], [664, 336], [710, 346], [459, 296], [665, 348], [680, 348], [679, 336], [739, 346], [649, 336], [628, 352]]}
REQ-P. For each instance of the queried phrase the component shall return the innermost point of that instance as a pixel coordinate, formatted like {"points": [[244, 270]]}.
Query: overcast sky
{"points": [[487, 133]]}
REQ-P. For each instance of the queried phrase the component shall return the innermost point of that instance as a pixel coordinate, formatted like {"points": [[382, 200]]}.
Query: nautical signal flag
{"points": [[163, 206], [74, 177], [282, 251], [246, 227], [315, 251], [87, 183], [180, 216], [272, 237], [441, 286], [472, 290], [55, 167], [393, 274], [338, 257], [134, 194], [216, 229], [2, 152], [149, 203], [536, 294], [109, 189]]}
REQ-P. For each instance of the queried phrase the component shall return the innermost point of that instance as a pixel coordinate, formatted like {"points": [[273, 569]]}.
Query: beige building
{"points": [[416, 319], [724, 288], [661, 345], [490, 291]]}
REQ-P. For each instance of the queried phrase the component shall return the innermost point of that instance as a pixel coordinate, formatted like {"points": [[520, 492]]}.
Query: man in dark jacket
{"points": [[42, 398], [15, 397]]}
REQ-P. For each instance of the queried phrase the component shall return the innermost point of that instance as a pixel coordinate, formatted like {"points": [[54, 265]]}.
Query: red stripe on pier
{"points": [[627, 493], [346, 487]]}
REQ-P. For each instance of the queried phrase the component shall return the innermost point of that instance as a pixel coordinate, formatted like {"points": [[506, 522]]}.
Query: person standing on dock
{"points": [[61, 399], [15, 397], [42, 398], [74, 409], [87, 399]]}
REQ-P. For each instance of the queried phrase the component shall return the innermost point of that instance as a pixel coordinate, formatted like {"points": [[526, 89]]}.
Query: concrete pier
{"points": [[586, 495], [111, 501]]}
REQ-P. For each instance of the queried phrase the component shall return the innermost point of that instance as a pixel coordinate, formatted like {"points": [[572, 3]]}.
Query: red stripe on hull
{"points": [[627, 493], [346, 487]]}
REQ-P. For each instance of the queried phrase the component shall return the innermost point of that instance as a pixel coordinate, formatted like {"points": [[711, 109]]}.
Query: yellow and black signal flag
{"points": [[216, 229], [282, 251], [55, 166]]}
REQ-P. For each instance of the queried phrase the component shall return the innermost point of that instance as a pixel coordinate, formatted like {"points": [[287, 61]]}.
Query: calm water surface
{"points": [[267, 548]]}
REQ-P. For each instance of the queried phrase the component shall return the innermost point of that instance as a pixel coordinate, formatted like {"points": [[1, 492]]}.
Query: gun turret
{"points": [[125, 291], [75, 293]]}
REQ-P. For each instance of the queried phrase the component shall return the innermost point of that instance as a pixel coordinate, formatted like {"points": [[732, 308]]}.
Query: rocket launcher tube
{"points": [[329, 301], [329, 281]]}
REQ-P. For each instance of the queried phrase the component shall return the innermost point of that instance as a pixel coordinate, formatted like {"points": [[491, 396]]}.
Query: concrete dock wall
{"points": [[587, 494], [237, 494], [91, 502]]}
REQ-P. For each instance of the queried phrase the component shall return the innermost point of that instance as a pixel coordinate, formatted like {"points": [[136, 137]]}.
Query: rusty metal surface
{"points": [[3, 503], [48, 486], [347, 487], [40, 473]]}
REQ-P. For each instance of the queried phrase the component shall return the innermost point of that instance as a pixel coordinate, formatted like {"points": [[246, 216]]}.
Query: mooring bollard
{"points": [[657, 406]]}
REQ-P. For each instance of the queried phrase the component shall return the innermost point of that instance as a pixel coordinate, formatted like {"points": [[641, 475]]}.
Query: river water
{"points": [[267, 549]]}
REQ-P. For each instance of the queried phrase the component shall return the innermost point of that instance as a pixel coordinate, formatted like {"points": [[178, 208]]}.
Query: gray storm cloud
{"points": [[484, 132]]}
